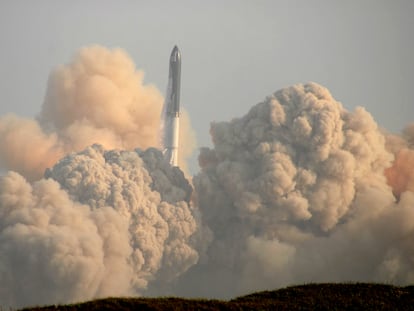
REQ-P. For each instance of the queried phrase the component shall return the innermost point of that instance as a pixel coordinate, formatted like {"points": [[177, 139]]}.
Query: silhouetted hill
{"points": [[358, 296]]}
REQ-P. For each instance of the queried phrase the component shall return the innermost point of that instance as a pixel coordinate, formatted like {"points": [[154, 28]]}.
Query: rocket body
{"points": [[172, 109]]}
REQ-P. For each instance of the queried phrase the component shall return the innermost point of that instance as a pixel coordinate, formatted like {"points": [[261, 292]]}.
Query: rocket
{"points": [[171, 110]]}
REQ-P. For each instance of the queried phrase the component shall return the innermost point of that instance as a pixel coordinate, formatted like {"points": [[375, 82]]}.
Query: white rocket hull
{"points": [[171, 139], [171, 111]]}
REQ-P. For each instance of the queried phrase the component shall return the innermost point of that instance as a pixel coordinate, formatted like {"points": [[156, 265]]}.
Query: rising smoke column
{"points": [[99, 97], [295, 192], [102, 223]]}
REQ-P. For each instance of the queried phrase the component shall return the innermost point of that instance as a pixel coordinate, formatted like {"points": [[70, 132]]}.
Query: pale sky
{"points": [[234, 53]]}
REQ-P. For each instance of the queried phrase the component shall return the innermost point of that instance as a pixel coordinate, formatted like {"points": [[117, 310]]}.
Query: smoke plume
{"points": [[102, 223], [295, 191], [99, 97]]}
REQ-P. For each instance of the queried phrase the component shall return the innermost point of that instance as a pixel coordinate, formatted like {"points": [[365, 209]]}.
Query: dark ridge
{"points": [[348, 296], [126, 304]]}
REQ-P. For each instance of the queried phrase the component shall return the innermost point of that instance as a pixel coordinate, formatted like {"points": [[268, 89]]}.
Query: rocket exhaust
{"points": [[171, 111]]}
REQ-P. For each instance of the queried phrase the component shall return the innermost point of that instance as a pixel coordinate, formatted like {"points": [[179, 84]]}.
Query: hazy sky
{"points": [[234, 53]]}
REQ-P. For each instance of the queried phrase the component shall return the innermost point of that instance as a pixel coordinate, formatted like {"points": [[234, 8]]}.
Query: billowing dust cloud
{"points": [[99, 97], [99, 223], [102, 223], [295, 192]]}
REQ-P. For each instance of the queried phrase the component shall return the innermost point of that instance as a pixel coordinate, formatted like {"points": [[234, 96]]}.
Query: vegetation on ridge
{"points": [[359, 296]]}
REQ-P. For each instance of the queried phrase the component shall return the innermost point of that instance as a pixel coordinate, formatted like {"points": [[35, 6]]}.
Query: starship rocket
{"points": [[171, 114]]}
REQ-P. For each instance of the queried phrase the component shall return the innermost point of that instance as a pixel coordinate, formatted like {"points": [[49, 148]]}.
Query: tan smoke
{"points": [[55, 249], [99, 97], [100, 93], [299, 150], [401, 174], [295, 191], [26, 148], [103, 223]]}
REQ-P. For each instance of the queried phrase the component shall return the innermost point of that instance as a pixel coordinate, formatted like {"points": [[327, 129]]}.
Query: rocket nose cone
{"points": [[175, 54]]}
